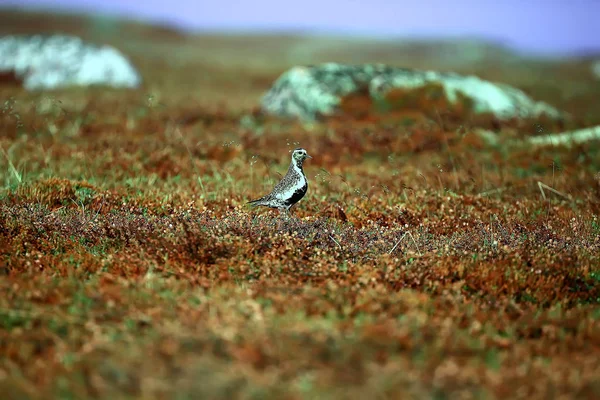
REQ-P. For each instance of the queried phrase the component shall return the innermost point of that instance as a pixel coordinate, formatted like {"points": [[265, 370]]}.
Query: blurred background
{"points": [[231, 51], [536, 27]]}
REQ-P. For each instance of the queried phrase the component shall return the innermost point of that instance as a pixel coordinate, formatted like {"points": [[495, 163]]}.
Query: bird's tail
{"points": [[254, 203]]}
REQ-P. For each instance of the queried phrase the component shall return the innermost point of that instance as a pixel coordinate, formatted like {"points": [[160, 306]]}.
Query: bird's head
{"points": [[299, 155]]}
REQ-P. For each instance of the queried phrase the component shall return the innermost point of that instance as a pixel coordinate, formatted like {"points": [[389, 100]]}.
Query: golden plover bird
{"points": [[292, 187]]}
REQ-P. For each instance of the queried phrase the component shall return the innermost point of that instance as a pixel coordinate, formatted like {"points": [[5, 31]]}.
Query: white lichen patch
{"points": [[56, 61], [308, 92]]}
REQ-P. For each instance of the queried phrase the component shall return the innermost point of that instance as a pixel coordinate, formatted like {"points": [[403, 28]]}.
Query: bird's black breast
{"points": [[297, 195]]}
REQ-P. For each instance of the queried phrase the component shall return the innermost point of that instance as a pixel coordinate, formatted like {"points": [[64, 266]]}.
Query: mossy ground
{"points": [[422, 263]]}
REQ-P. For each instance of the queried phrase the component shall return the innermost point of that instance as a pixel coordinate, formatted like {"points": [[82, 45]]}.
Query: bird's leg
{"points": [[280, 218], [292, 214]]}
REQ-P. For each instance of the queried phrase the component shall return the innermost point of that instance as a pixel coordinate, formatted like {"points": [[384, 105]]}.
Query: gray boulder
{"points": [[309, 92], [50, 62]]}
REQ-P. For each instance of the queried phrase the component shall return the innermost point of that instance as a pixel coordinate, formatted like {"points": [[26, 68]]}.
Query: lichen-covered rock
{"points": [[50, 62], [313, 91]]}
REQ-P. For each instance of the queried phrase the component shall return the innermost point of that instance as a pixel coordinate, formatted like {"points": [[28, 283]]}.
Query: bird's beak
{"points": [[307, 156]]}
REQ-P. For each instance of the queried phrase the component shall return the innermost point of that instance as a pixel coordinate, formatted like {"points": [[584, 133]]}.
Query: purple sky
{"points": [[541, 26]]}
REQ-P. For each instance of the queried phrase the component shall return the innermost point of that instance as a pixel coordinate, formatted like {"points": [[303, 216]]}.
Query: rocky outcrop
{"points": [[313, 91], [56, 61]]}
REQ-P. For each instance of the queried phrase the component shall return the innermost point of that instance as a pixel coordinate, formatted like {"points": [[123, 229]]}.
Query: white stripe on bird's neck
{"points": [[297, 165]]}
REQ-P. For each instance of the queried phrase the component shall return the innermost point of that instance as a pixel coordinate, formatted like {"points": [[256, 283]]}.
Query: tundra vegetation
{"points": [[426, 261]]}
